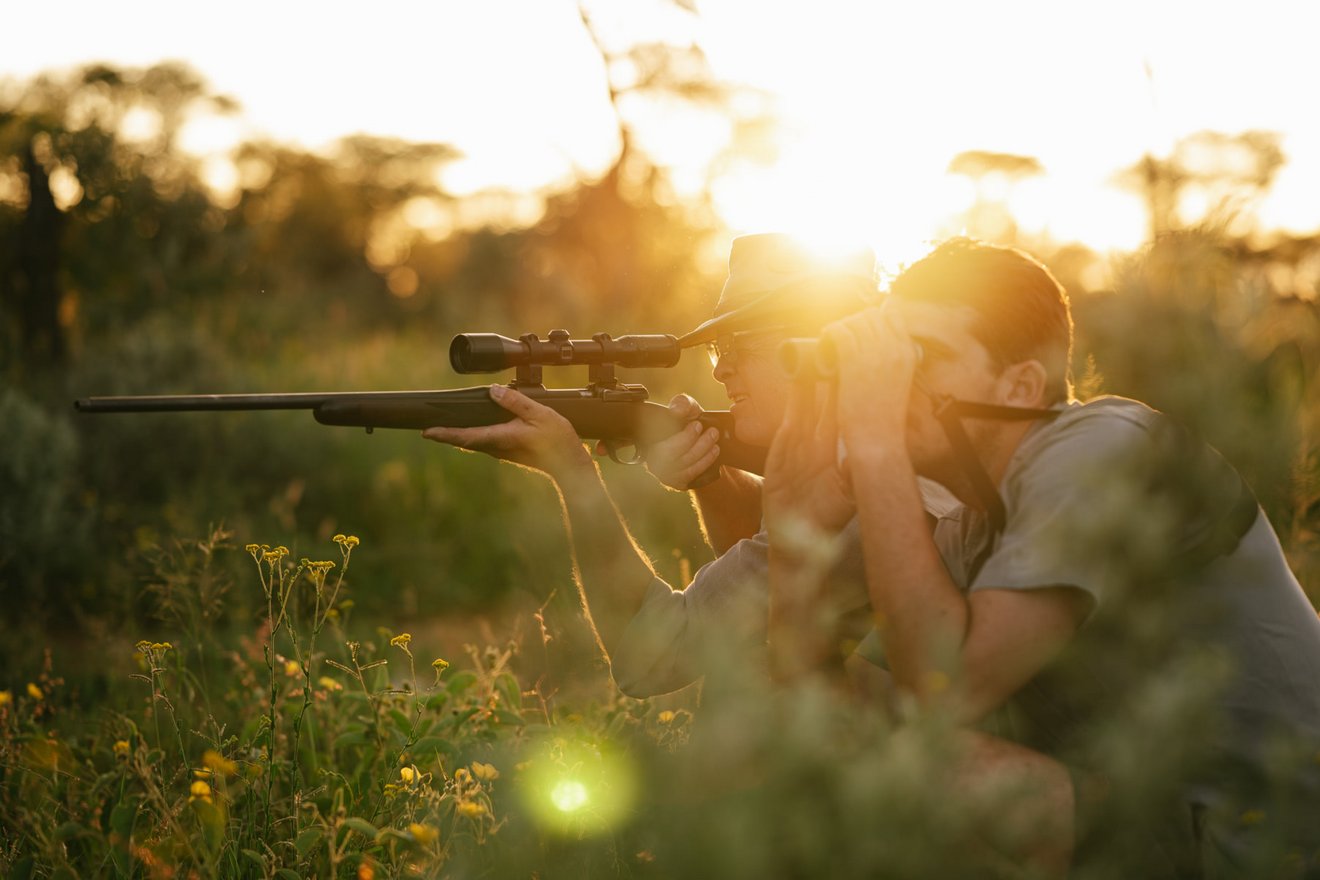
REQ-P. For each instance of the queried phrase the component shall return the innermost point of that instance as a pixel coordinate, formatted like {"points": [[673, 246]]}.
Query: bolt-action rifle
{"points": [[608, 410]]}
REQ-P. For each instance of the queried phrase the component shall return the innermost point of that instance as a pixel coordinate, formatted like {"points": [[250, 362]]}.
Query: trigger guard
{"points": [[613, 446]]}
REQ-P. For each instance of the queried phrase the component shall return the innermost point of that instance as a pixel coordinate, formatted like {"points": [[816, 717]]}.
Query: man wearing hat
{"points": [[660, 639]]}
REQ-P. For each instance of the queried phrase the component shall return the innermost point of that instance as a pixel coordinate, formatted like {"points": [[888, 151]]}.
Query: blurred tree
{"points": [[1210, 175], [111, 217], [625, 248], [994, 175]]}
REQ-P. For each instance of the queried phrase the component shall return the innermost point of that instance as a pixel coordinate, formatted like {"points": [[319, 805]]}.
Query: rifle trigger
{"points": [[613, 447]]}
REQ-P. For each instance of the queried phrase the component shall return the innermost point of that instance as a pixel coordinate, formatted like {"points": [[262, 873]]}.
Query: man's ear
{"points": [[1023, 384]]}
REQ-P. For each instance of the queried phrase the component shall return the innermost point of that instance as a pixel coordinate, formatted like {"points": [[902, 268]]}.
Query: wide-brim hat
{"points": [[775, 281]]}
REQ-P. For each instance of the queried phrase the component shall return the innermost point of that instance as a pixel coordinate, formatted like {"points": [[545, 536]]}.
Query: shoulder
{"points": [[1086, 437]]}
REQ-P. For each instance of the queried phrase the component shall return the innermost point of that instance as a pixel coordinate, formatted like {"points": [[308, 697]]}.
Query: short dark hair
{"points": [[1022, 310]]}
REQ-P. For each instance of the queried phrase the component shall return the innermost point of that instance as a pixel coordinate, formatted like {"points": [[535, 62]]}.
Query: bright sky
{"points": [[877, 97]]}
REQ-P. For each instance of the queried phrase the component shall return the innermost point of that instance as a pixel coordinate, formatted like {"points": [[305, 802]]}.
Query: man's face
{"points": [[953, 363], [747, 365]]}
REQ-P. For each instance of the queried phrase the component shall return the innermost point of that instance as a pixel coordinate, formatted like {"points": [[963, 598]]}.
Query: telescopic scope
{"points": [[491, 352]]}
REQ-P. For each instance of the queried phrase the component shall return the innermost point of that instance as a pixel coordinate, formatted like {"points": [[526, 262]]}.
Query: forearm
{"points": [[729, 508], [922, 616], [612, 573]]}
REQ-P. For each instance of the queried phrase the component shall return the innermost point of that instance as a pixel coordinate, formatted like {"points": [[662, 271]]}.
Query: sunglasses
{"points": [[730, 347]]}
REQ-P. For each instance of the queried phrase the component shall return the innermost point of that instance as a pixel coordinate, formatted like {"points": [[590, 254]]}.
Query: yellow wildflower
{"points": [[423, 834], [462, 775], [346, 541], [407, 774], [440, 664], [213, 760], [6, 698], [401, 640], [291, 668], [122, 749], [199, 791], [35, 692], [666, 717], [471, 809], [329, 683], [143, 646], [485, 772], [366, 872]]}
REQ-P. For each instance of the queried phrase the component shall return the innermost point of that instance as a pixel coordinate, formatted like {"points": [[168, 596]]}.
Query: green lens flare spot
{"points": [[577, 789], [569, 795]]}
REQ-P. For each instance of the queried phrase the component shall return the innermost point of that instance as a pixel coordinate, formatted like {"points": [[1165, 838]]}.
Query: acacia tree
{"points": [[108, 217]]}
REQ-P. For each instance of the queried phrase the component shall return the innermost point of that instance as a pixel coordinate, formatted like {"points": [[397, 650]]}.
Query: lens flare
{"points": [[569, 795], [576, 788]]}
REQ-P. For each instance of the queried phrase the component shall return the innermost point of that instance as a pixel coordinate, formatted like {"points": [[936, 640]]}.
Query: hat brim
{"points": [[771, 309]]}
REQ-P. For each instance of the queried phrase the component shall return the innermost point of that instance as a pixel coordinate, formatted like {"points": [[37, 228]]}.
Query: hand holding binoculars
{"points": [[804, 358]]}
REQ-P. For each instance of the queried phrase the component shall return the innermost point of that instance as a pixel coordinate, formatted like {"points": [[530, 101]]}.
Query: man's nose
{"points": [[724, 368]]}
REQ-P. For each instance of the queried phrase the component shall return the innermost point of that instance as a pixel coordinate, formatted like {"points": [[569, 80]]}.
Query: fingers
{"points": [[518, 403], [486, 437], [678, 459], [685, 407]]}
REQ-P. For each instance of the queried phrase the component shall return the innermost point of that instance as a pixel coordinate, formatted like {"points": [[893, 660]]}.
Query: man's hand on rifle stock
{"points": [[537, 437]]}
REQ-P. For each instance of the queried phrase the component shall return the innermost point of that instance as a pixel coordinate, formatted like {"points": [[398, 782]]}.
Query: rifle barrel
{"points": [[199, 402]]}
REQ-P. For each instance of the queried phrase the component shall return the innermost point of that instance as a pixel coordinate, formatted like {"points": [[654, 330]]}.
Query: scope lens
{"points": [[485, 353]]}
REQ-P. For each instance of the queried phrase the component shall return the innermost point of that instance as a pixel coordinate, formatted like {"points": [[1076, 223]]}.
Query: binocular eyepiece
{"points": [[818, 358], [491, 352]]}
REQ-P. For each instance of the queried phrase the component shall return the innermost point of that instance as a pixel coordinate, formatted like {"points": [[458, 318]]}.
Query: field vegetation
{"points": [[246, 645]]}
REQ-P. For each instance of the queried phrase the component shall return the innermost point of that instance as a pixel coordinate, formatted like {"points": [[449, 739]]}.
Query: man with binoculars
{"points": [[1098, 551]]}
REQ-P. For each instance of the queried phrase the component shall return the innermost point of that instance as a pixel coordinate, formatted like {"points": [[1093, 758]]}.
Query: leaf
{"points": [[401, 721], [288, 874], [429, 745], [354, 738], [504, 716], [255, 856], [511, 691], [307, 840], [457, 720], [122, 818], [461, 681], [438, 701], [362, 826], [68, 831]]}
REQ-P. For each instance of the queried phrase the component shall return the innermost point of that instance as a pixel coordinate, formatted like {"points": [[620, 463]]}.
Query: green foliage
{"points": [[39, 516], [298, 746]]}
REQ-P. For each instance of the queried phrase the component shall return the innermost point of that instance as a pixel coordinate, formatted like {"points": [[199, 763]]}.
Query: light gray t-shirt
{"points": [[679, 636], [1100, 499]]}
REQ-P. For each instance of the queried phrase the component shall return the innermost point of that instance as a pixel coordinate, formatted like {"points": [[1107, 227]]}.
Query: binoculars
{"points": [[802, 358], [806, 358]]}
